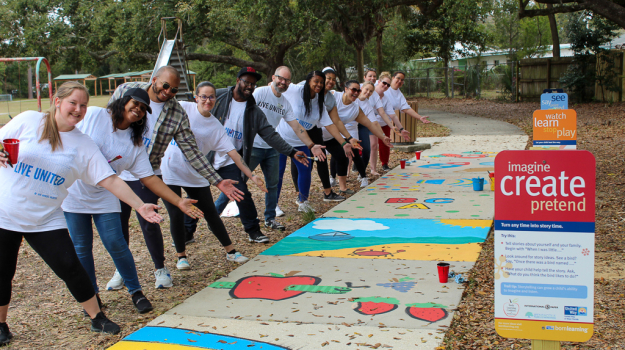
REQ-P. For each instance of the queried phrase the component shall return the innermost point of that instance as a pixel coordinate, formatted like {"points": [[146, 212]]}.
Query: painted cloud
{"points": [[348, 225]]}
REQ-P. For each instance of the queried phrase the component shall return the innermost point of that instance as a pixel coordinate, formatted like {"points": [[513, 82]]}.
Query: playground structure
{"points": [[173, 53], [37, 84], [78, 77]]}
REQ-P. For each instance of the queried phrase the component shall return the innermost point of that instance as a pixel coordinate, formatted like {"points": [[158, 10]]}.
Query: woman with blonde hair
{"points": [[53, 154]]}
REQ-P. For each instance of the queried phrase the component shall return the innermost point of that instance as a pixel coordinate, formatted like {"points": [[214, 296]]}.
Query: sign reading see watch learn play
{"points": [[544, 244]]}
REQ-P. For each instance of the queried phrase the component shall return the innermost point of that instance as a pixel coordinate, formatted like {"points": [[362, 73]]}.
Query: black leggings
{"points": [[357, 159], [56, 249], [206, 205], [316, 135]]}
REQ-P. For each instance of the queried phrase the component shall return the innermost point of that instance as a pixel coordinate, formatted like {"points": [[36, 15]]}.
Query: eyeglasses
{"points": [[285, 80], [247, 83], [204, 97], [139, 104], [167, 86], [355, 90], [385, 83]]}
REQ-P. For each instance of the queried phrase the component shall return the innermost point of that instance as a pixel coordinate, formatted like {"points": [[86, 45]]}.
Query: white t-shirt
{"points": [[88, 199], [347, 114], [33, 190], [148, 137], [275, 108], [210, 135], [365, 106], [398, 101], [377, 102], [294, 96], [234, 130]]}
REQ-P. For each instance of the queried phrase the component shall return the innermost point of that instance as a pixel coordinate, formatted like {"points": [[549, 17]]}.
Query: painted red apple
{"points": [[270, 287], [375, 305], [428, 312]]}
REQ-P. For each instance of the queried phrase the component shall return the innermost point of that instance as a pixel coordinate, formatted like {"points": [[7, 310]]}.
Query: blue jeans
{"points": [[247, 209], [110, 229], [363, 136], [268, 159], [304, 174]]}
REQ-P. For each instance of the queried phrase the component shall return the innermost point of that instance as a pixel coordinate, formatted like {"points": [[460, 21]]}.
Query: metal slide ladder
{"points": [[173, 53]]}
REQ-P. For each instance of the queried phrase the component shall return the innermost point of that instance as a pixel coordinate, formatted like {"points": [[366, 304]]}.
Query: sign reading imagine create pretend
{"points": [[554, 101], [555, 129], [544, 244]]}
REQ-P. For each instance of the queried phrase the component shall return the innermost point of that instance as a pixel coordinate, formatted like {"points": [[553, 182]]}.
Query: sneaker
{"points": [[100, 305], [258, 237], [274, 225], [332, 197], [346, 192], [364, 182], [192, 240], [142, 304], [183, 264], [163, 278], [101, 324], [385, 168], [116, 283], [304, 207], [5, 334], [279, 211], [236, 257], [333, 182]]}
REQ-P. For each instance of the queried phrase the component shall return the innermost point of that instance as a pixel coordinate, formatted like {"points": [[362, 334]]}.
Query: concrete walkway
{"points": [[363, 275]]}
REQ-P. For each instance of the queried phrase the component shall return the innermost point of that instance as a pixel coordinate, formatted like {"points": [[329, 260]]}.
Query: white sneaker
{"points": [[279, 211], [304, 207], [359, 177], [183, 264], [364, 182], [163, 278], [333, 182], [116, 283], [236, 257]]}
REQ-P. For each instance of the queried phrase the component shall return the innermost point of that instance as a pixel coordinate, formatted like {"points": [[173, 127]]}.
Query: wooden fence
{"points": [[537, 74], [610, 67], [409, 123]]}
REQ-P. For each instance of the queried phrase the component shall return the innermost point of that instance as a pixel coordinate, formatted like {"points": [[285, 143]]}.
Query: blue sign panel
{"points": [[554, 101]]}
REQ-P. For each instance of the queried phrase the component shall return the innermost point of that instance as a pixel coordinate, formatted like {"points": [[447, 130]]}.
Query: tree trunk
{"points": [[555, 38], [380, 58], [360, 64], [446, 60]]}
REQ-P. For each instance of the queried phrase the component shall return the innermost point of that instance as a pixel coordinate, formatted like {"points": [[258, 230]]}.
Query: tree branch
{"points": [[260, 66], [545, 12]]}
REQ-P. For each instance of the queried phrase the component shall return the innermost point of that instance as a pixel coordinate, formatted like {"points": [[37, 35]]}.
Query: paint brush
{"points": [[114, 159], [311, 158]]}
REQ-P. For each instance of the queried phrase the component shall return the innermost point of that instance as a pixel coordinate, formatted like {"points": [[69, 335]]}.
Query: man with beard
{"points": [[275, 107], [243, 120], [168, 121]]}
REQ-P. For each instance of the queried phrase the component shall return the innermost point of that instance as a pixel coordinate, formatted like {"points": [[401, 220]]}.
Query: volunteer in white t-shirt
{"points": [[316, 134], [178, 174], [354, 128], [382, 106], [363, 133], [309, 110], [52, 155], [118, 132], [276, 107], [349, 111], [399, 101]]}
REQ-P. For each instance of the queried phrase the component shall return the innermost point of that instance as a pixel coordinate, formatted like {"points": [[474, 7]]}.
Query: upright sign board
{"points": [[544, 245], [554, 101], [555, 129]]}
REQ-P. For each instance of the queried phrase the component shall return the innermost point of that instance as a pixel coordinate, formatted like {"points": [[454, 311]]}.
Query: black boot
{"points": [[5, 334]]}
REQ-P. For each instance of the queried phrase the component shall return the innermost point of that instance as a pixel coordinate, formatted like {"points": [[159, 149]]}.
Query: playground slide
{"points": [[164, 55]]}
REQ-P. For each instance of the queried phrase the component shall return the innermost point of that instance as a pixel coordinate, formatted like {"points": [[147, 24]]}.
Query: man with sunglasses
{"points": [[167, 121], [243, 119]]}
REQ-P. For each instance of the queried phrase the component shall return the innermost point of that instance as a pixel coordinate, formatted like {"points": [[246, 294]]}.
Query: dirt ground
{"points": [[601, 130], [43, 314]]}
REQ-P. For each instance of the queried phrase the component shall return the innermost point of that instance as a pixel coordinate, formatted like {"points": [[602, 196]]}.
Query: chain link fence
{"points": [[489, 81]]}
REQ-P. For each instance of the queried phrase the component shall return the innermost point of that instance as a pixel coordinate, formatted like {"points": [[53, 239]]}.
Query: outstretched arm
{"points": [[376, 130], [316, 150], [122, 191], [334, 115], [236, 157], [156, 185], [412, 113]]}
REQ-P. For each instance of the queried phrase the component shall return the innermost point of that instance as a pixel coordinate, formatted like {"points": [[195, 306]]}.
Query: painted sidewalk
{"points": [[364, 274]]}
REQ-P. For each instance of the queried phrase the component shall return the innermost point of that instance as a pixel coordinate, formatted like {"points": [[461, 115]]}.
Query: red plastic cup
{"points": [[403, 163], [418, 154], [443, 272], [12, 147]]}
